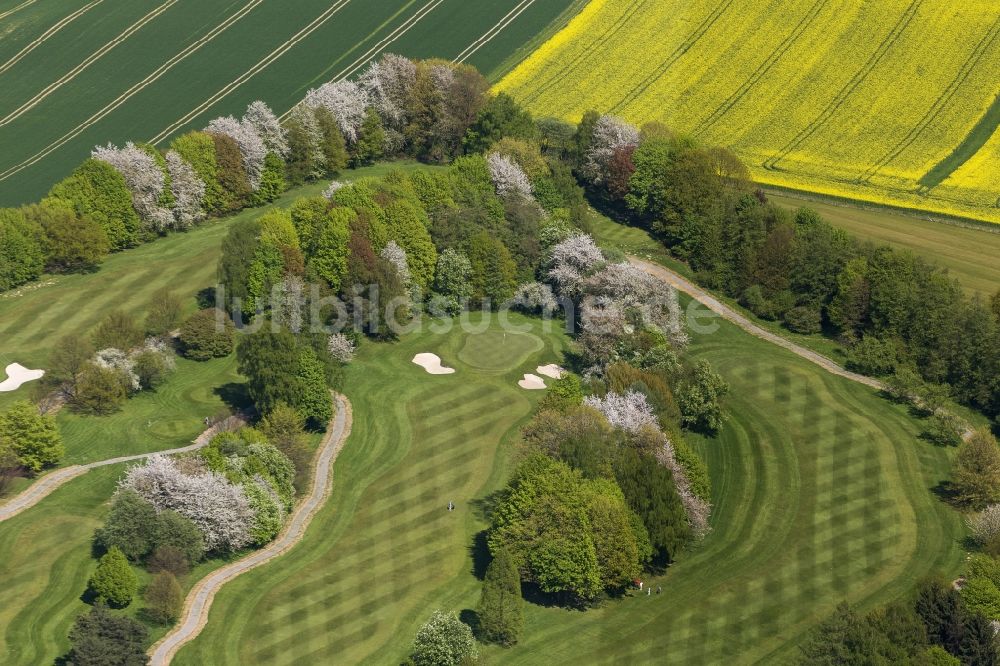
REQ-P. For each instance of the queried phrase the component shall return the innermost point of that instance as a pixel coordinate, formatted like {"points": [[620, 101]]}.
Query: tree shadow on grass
{"points": [[235, 395], [481, 556]]}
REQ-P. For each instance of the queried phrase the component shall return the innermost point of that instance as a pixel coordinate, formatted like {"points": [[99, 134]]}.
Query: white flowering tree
{"points": [[188, 190], [145, 180], [698, 511], [340, 347], [632, 413], [346, 100], [508, 177], [261, 118], [442, 76], [251, 145], [629, 411], [396, 256], [985, 525], [220, 509], [120, 362], [571, 261], [332, 188], [535, 297], [611, 134], [387, 83]]}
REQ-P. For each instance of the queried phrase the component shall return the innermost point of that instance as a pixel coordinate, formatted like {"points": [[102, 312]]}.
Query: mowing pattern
{"points": [[78, 73], [384, 552], [862, 100], [822, 495]]}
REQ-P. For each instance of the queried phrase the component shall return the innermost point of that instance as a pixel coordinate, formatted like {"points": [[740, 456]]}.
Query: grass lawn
{"points": [[970, 254], [34, 317], [384, 552], [822, 494]]}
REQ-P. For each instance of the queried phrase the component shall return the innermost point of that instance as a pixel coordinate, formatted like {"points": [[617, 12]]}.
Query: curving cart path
{"points": [[48, 483], [199, 599], [729, 314]]}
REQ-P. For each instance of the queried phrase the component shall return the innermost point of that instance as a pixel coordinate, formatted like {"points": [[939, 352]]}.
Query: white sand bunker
{"points": [[432, 364], [531, 382], [551, 370], [17, 374]]}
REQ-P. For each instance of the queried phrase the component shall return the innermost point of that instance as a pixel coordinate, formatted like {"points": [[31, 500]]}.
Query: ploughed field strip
{"points": [[892, 102], [130, 71]]}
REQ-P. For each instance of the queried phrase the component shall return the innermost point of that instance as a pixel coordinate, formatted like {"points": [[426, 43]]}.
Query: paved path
{"points": [[731, 315], [199, 599], [48, 483]]}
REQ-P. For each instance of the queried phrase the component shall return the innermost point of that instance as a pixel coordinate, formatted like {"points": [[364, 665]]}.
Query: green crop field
{"points": [[77, 73]]}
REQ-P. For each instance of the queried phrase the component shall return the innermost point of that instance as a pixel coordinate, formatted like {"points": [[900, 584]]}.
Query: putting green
{"points": [[498, 351]]}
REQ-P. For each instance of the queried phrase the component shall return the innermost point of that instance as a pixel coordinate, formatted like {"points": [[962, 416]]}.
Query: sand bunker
{"points": [[531, 382], [551, 370], [432, 364], [17, 374]]}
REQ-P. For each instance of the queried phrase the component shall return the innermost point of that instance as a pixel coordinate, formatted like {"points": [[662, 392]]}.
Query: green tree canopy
{"points": [[32, 437], [114, 581]]}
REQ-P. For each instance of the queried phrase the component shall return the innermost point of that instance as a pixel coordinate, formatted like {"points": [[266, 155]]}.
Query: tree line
{"points": [[894, 312]]}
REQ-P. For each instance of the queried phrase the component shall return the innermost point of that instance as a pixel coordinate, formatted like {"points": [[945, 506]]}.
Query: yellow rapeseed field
{"points": [[886, 101]]}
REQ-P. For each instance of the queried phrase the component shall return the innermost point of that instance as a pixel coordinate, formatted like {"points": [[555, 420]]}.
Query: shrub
{"points": [[803, 319], [444, 640], [169, 558], [71, 242], [164, 598], [207, 334], [872, 356], [130, 526], [114, 581], [976, 471], [118, 330], [100, 638], [99, 390], [21, 256], [500, 610], [945, 429], [164, 312]]}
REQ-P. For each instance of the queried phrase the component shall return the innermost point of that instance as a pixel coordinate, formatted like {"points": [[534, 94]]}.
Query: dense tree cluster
{"points": [[29, 441], [939, 626], [892, 309]]}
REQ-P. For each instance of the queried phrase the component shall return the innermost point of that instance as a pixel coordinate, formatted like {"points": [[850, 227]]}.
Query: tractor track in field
{"points": [[765, 67], [48, 34], [17, 9], [982, 47], [497, 28], [87, 62], [676, 55], [49, 483], [128, 94], [557, 77], [848, 89], [199, 600], [254, 69]]}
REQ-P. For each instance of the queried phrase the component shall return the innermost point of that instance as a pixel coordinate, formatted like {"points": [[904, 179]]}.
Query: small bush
{"points": [[204, 336]]}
